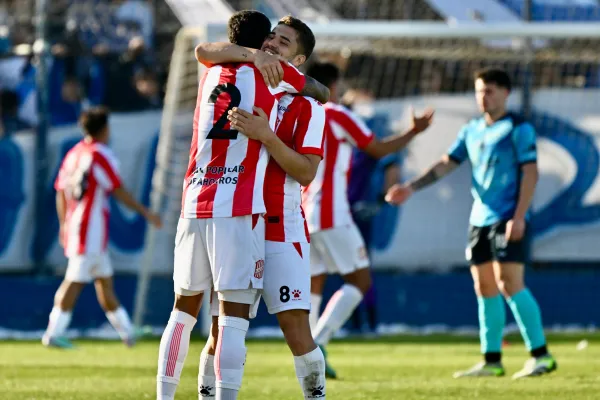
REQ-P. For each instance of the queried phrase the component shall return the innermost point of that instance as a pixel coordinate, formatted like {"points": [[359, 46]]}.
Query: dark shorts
{"points": [[488, 243]]}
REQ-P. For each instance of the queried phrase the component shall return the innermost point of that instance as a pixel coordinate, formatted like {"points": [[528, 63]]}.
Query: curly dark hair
{"points": [[248, 28]]}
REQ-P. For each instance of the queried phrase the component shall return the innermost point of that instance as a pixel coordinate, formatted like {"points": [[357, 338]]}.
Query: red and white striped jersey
{"points": [[325, 200], [87, 175], [300, 124], [226, 170]]}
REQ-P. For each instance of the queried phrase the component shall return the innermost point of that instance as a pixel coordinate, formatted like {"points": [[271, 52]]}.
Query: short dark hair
{"points": [[94, 121], [306, 37], [494, 75], [325, 73], [248, 28]]}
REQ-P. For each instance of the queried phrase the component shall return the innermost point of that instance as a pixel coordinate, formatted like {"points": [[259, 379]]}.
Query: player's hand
{"points": [[515, 229], [252, 126], [270, 67], [398, 194], [155, 220], [421, 122]]}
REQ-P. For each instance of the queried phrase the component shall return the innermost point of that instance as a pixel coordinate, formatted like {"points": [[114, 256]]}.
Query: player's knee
{"points": [[231, 352], [510, 286], [188, 303], [317, 283], [296, 329], [485, 288], [236, 303], [361, 279], [211, 343]]}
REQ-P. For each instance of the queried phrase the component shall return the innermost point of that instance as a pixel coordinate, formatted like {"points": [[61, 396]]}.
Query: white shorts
{"points": [[339, 250], [286, 284], [224, 253], [85, 268]]}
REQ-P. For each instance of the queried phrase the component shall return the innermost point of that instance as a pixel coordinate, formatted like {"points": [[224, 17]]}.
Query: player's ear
{"points": [[299, 60]]}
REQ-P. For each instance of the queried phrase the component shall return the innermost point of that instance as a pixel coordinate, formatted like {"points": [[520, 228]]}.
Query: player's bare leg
{"points": [[115, 313], [317, 284], [230, 354], [511, 282], [309, 361], [492, 318], [175, 342], [340, 307], [60, 317]]}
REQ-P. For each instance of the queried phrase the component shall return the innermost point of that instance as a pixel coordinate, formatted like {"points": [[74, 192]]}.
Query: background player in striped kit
{"points": [[295, 152], [336, 243], [88, 175], [220, 235]]}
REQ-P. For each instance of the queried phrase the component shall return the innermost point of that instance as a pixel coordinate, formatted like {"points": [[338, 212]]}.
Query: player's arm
{"points": [[381, 148], [436, 172], [524, 142], [269, 65], [529, 180], [105, 171], [301, 167], [314, 89], [125, 198], [457, 153], [61, 211], [210, 54]]}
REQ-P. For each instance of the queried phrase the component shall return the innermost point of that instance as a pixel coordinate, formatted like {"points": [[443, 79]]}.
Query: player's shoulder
{"points": [[101, 150], [519, 122]]}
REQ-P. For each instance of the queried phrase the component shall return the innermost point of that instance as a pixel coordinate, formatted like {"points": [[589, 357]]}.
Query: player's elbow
{"points": [[530, 172], [202, 53], [376, 149], [324, 95], [306, 178]]}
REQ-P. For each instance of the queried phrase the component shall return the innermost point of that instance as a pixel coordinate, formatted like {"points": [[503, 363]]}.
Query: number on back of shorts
{"points": [[218, 131]]}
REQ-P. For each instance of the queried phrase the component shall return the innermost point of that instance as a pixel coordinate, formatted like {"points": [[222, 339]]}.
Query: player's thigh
{"points": [[85, 268], [236, 249], [287, 276], [484, 279], [343, 249], [191, 271], [317, 260], [479, 246], [509, 251]]}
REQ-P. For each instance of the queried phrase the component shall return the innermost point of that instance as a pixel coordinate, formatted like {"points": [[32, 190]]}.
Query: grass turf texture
{"points": [[404, 368]]}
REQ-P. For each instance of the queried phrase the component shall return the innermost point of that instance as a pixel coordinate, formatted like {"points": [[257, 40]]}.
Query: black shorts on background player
{"points": [[488, 243]]}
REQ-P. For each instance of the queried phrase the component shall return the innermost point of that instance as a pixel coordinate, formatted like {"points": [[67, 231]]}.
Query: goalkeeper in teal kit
{"points": [[501, 148]]}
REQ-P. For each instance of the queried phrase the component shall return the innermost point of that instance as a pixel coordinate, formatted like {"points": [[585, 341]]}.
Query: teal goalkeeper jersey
{"points": [[496, 153]]}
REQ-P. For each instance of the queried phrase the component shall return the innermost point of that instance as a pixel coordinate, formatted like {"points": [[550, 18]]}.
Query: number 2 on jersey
{"points": [[235, 98]]}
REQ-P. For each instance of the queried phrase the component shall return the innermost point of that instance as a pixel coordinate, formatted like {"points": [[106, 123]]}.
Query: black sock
{"points": [[540, 351], [492, 358]]}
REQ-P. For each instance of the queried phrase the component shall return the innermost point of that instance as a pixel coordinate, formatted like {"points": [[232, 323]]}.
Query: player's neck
{"points": [[491, 118]]}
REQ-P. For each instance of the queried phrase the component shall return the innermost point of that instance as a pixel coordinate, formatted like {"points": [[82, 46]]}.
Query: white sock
{"points": [[338, 310], [173, 350], [119, 319], [310, 370], [206, 376], [226, 394], [58, 322], [230, 356], [315, 306]]}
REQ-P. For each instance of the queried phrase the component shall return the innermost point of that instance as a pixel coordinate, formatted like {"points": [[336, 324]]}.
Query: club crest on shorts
{"points": [[259, 269]]}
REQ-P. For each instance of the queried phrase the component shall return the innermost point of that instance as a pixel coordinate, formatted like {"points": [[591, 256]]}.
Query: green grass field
{"points": [[406, 368]]}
